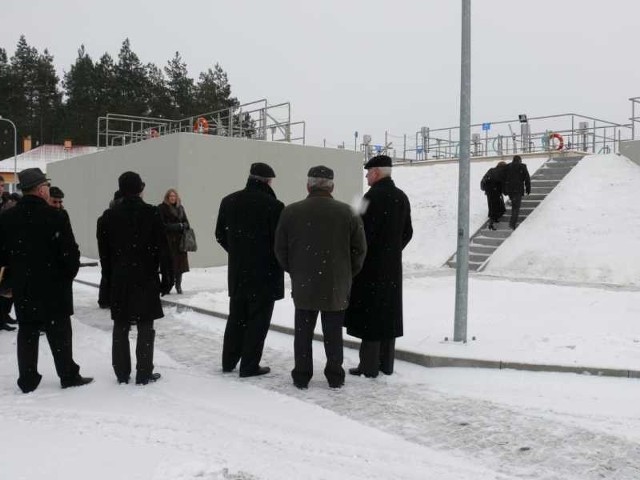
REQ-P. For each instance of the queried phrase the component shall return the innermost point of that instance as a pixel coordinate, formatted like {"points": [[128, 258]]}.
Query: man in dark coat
{"points": [[104, 291], [320, 242], [38, 246], [375, 311], [246, 227], [133, 247], [56, 197], [516, 183], [492, 184]]}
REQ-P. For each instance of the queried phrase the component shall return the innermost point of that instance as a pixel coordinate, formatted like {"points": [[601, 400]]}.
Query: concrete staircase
{"points": [[484, 242]]}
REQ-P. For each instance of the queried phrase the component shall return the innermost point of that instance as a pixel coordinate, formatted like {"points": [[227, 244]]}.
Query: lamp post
{"points": [[15, 151], [462, 255]]}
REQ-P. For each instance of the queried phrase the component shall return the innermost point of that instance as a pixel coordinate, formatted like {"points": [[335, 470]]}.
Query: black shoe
{"points": [[7, 327], [358, 372], [103, 305], [77, 381], [387, 372], [255, 373], [336, 384], [179, 290], [123, 381], [144, 380], [491, 226], [301, 386]]}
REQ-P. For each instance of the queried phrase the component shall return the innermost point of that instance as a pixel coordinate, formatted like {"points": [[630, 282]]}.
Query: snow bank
{"points": [[586, 230]]}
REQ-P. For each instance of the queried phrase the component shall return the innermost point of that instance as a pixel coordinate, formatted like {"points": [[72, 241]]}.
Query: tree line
{"points": [[50, 110]]}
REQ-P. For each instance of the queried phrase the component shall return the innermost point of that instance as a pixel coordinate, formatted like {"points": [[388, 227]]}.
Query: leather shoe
{"points": [[255, 373], [336, 384], [356, 371], [301, 386], [144, 380], [77, 381], [124, 380]]}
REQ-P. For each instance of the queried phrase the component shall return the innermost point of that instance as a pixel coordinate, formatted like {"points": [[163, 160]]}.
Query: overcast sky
{"points": [[367, 65]]}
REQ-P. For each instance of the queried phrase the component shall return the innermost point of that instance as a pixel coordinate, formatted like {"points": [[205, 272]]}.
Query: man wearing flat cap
{"points": [[245, 228], [321, 243], [375, 311], [38, 246], [133, 247]]}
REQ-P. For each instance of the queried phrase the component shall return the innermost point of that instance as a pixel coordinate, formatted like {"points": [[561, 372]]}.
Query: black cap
{"points": [[320, 172], [56, 192], [263, 170], [378, 161], [31, 177], [130, 183], [517, 159]]}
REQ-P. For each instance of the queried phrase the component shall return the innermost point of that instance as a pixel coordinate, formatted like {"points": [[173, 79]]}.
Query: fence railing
{"points": [[256, 120]]}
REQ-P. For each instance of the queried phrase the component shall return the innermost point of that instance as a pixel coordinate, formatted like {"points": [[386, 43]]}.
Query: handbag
{"points": [[188, 241]]}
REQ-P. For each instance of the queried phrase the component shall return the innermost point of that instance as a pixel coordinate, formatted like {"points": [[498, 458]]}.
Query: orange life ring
{"points": [[201, 126], [559, 138], [153, 133]]}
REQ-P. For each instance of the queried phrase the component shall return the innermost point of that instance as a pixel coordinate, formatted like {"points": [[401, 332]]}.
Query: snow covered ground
{"points": [[419, 423]]}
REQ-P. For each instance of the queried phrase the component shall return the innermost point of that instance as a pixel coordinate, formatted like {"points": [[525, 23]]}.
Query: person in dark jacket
{"points": [[492, 184], [245, 228], [321, 243], [175, 222], [38, 246], [104, 291], [133, 247], [7, 201], [516, 183], [375, 311]]}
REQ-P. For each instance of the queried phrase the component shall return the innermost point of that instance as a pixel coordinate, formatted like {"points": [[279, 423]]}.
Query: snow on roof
{"points": [[40, 156]]}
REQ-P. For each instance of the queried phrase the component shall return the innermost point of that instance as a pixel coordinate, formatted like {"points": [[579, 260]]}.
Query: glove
{"points": [[528, 191], [165, 287]]}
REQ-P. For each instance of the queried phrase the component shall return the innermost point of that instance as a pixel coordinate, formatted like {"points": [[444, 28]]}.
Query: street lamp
{"points": [[15, 151]]}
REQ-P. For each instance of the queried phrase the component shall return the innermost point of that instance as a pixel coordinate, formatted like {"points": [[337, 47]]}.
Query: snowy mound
{"points": [[433, 193], [586, 230]]}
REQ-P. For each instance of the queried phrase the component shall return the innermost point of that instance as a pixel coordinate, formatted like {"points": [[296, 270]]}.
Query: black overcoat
{"points": [[175, 221], [375, 310], [516, 179], [38, 246], [133, 248], [245, 228]]}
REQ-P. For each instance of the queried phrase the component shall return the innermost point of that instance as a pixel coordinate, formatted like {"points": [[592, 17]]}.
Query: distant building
{"points": [[40, 157]]}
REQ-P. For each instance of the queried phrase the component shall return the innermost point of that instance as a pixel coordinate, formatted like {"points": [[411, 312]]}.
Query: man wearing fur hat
{"points": [[38, 246], [320, 242], [133, 246], [245, 228], [375, 310]]}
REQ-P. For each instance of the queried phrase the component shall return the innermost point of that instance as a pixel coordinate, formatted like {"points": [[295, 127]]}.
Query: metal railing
{"points": [[634, 119], [256, 120], [551, 133]]}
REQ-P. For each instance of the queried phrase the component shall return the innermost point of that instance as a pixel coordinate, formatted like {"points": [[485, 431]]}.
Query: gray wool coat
{"points": [[321, 243]]}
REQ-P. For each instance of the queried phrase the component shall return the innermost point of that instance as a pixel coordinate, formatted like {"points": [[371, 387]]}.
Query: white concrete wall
{"points": [[631, 150], [203, 169]]}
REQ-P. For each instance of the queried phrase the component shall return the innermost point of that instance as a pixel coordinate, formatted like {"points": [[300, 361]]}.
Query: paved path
{"points": [[517, 443]]}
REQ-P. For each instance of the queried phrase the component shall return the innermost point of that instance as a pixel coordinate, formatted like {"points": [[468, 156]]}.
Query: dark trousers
{"points": [[305, 323], [59, 336], [247, 327], [516, 199], [120, 353], [377, 356], [104, 293], [495, 202]]}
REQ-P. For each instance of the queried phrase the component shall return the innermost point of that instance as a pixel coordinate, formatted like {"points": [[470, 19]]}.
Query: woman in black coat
{"points": [[175, 222]]}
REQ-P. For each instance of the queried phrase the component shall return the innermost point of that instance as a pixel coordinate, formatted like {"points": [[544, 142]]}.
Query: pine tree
{"points": [[131, 83], [159, 98], [6, 131], [81, 109], [180, 86]]}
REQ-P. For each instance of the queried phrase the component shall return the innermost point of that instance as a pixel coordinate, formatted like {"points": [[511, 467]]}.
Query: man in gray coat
{"points": [[321, 243]]}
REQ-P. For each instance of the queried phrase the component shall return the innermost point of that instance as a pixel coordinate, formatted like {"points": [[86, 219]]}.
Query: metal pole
{"points": [[462, 255], [404, 149]]}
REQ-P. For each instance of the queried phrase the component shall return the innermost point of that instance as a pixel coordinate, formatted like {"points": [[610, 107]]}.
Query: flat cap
{"points": [[320, 172], [31, 177], [263, 170], [378, 161], [56, 192], [130, 183]]}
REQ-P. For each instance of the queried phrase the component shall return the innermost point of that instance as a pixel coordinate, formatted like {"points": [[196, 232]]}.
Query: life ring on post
{"points": [[558, 137], [201, 126], [153, 133]]}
